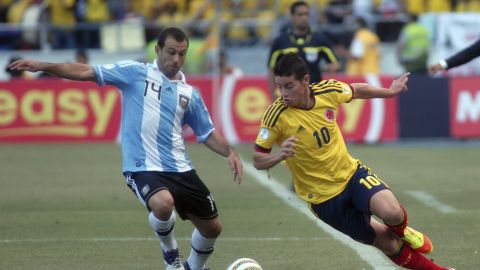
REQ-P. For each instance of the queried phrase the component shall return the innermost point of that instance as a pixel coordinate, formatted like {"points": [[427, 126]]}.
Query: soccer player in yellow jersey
{"points": [[337, 187]]}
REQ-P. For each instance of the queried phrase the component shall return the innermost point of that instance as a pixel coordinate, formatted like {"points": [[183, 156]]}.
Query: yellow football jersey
{"points": [[322, 165]]}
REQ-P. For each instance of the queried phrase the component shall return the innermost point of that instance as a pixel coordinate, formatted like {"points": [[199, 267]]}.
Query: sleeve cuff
{"points": [[443, 63]]}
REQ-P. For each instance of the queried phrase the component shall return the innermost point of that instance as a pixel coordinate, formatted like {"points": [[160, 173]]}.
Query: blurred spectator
{"points": [[16, 74], [467, 6], [439, 5], [4, 6], [364, 53], [413, 46], [81, 56], [220, 63], [62, 18], [337, 10], [91, 13], [225, 67]]}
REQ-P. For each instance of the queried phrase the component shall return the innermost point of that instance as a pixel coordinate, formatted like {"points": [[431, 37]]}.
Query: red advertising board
{"points": [[58, 111], [465, 107]]}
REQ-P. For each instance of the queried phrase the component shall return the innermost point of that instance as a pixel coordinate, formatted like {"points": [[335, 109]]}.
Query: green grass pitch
{"points": [[65, 206]]}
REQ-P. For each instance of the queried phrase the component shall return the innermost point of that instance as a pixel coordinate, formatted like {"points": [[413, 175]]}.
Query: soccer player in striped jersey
{"points": [[157, 102], [338, 188]]}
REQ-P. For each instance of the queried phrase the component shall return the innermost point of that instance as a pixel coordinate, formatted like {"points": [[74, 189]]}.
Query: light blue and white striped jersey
{"points": [[154, 109]]}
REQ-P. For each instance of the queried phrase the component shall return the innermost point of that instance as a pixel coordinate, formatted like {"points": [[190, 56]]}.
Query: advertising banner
{"points": [[58, 111], [68, 111], [465, 107]]}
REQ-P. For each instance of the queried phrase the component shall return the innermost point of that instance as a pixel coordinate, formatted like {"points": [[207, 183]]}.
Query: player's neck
{"points": [[308, 103], [301, 31]]}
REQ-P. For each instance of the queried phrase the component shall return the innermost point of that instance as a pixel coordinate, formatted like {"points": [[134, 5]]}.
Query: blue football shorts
{"points": [[190, 194], [349, 212]]}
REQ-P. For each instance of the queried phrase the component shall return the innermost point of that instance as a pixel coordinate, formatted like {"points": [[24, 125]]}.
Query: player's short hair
{"points": [[174, 32], [295, 5], [291, 64]]}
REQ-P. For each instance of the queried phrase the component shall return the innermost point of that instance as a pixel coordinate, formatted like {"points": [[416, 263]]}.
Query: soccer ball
{"points": [[245, 264]]}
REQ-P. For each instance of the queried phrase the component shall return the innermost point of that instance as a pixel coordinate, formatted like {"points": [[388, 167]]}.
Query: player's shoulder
{"points": [[329, 86], [274, 112], [125, 63]]}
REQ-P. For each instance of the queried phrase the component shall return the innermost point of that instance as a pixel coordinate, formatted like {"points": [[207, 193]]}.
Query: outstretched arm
{"points": [[365, 91], [460, 58], [218, 144], [71, 71]]}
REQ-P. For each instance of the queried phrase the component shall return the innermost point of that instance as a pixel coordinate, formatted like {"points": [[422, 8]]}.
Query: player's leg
{"points": [[384, 205], [152, 191], [204, 237], [162, 219], [400, 253], [193, 201]]}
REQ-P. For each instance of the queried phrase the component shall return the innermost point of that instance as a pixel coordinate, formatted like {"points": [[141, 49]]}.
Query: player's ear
{"points": [[306, 79], [157, 49]]}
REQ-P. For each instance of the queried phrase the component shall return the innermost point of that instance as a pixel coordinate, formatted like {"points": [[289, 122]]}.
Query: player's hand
{"points": [[235, 166], [27, 65], [435, 68], [287, 149], [400, 84]]}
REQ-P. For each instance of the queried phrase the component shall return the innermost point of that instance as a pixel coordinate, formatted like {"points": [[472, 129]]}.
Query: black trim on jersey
{"points": [[260, 149], [278, 115], [273, 112], [326, 92]]}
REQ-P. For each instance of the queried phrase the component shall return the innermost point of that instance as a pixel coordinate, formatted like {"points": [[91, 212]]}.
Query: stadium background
{"points": [[67, 200]]}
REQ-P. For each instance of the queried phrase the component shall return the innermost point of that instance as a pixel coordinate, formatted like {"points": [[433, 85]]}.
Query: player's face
{"points": [[295, 93], [300, 18], [170, 58]]}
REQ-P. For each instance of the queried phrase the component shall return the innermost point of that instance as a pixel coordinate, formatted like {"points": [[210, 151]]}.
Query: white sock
{"points": [[202, 248], [164, 231]]}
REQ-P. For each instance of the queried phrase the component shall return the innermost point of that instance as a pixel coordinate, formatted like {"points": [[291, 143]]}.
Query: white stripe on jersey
{"points": [[150, 125], [177, 140]]}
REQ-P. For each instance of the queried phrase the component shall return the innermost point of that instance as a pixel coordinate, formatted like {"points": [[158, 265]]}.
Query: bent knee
{"points": [[161, 203], [212, 231]]}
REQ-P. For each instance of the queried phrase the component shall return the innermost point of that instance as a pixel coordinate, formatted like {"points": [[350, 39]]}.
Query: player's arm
{"points": [[263, 160], [71, 71], [218, 144], [366, 91]]}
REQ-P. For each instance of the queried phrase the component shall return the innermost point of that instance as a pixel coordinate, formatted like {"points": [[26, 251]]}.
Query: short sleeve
{"points": [[198, 118], [118, 74]]}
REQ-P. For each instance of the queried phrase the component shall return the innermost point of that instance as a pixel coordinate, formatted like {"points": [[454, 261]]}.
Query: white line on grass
{"points": [[431, 201], [369, 254], [141, 239]]}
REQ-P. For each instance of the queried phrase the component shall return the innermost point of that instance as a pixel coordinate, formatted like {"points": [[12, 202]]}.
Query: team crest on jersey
{"points": [[330, 114], [183, 101], [264, 134]]}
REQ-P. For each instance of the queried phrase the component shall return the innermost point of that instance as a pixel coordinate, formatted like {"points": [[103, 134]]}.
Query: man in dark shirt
{"points": [[310, 46]]}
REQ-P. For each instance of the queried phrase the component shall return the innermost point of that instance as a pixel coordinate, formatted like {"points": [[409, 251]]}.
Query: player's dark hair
{"points": [[291, 64], [174, 32], [295, 5]]}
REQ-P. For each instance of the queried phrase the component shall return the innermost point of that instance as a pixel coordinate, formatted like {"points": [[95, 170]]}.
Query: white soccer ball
{"points": [[245, 264]]}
